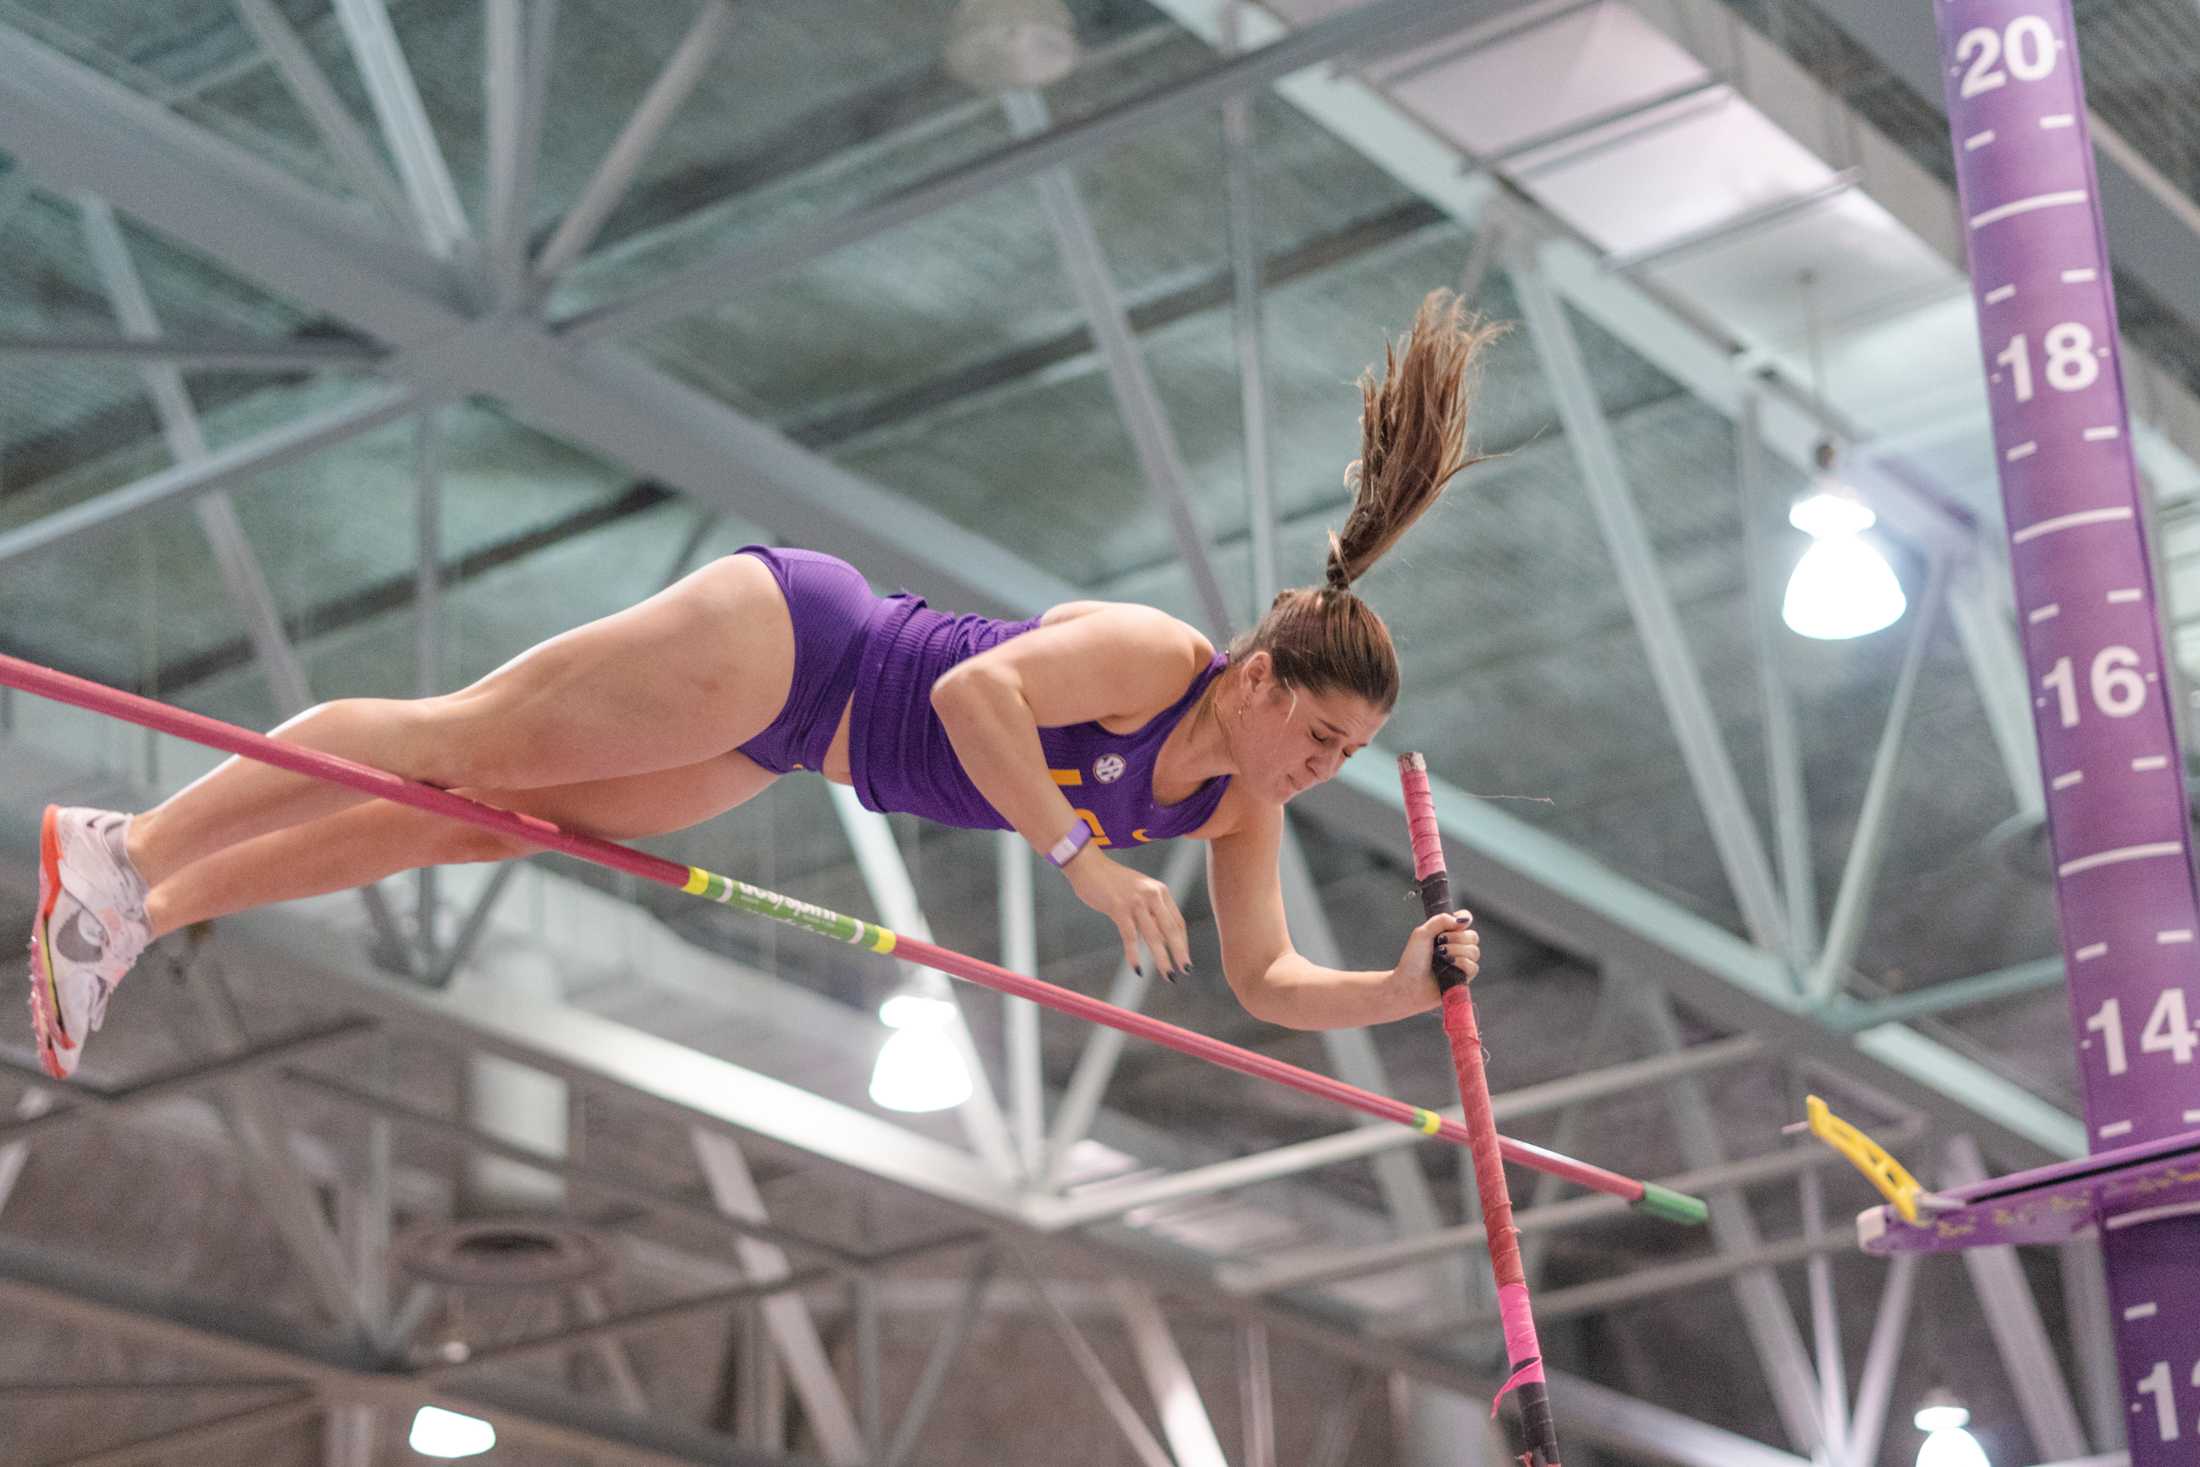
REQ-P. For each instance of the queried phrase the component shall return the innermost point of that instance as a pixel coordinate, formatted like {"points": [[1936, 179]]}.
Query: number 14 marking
{"points": [[2168, 1030]]}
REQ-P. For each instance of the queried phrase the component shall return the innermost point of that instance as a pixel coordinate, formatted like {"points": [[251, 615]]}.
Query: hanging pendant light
{"points": [[1947, 1442], [1843, 586], [919, 1068], [448, 1435]]}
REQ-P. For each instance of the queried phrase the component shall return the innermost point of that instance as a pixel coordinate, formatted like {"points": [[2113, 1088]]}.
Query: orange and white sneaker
{"points": [[90, 928]]}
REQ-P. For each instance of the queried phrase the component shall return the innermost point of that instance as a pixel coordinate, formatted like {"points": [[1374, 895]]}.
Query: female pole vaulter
{"points": [[1094, 725]]}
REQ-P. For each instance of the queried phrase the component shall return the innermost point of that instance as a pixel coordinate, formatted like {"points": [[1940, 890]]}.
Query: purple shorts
{"points": [[832, 607]]}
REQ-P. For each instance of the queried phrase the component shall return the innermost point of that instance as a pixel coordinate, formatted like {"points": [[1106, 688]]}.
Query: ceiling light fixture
{"points": [[440, 1433], [919, 1069], [1947, 1444], [1008, 45], [1843, 586]]}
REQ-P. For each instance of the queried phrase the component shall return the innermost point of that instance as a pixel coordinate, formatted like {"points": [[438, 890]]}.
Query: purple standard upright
{"points": [[2117, 813]]}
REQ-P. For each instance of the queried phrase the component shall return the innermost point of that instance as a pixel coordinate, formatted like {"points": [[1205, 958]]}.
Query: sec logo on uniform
{"points": [[1108, 768]]}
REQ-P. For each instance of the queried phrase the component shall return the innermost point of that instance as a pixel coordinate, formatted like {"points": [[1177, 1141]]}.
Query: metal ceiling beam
{"points": [[2086, 1308], [1113, 1200], [2013, 1320], [29, 1106], [1243, 198], [1381, 26], [1868, 844], [947, 1347], [786, 1315], [1980, 609], [581, 1176], [240, 354], [192, 1443], [577, 230], [1136, 1434], [1764, 1305], [1137, 403], [1672, 665], [1096, 1062], [216, 471], [1256, 1396], [87, 1103], [1405, 1188], [1632, 1287], [339, 131], [516, 40], [1606, 1020], [603, 1327], [1952, 996], [1875, 1383], [1304, 1268], [99, 1298], [264, 1153], [405, 127], [1783, 750], [1184, 1419], [610, 1352], [70, 124], [241, 574], [1019, 916], [1825, 1318]]}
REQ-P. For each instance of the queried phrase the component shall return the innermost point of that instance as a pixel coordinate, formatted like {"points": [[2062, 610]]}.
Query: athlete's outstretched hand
{"points": [[1139, 906], [1454, 934]]}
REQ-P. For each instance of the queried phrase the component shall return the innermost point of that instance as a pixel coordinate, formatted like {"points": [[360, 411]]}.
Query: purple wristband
{"points": [[1075, 839]]}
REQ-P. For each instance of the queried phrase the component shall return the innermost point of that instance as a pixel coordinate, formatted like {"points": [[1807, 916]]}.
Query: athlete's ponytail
{"points": [[1413, 439]]}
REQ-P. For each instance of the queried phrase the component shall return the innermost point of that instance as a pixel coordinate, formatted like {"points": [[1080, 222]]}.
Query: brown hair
{"points": [[1413, 438]]}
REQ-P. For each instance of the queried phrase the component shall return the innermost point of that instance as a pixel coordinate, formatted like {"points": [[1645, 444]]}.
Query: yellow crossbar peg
{"points": [[1866, 1155]]}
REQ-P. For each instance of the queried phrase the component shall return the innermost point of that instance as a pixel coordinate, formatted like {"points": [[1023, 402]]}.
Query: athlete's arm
{"points": [[1279, 985], [1108, 662]]}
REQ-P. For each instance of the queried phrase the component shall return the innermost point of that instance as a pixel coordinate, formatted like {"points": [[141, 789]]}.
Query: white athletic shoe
{"points": [[91, 926]]}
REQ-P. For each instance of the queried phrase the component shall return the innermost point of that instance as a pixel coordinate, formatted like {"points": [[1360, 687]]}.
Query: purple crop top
{"points": [[900, 759]]}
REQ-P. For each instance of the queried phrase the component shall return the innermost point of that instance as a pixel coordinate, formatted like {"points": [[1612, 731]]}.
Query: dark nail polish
{"points": [[1139, 969]]}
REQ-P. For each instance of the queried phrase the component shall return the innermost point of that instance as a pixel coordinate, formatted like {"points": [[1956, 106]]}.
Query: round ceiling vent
{"points": [[505, 1253], [1001, 45]]}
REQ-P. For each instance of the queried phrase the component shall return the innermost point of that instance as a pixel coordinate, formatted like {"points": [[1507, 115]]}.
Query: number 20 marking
{"points": [[2028, 43]]}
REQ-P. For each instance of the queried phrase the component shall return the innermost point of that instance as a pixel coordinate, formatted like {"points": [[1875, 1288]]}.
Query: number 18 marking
{"points": [[2071, 364]]}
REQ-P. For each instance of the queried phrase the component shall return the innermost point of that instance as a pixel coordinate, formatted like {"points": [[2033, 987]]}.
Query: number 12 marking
{"points": [[2156, 1383]]}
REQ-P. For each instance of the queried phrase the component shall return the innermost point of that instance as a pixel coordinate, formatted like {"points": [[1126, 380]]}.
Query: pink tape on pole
{"points": [[1428, 841], [1520, 1341]]}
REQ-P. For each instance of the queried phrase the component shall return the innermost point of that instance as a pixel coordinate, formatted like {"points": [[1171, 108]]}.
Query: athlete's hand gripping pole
{"points": [[1521, 1349]]}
